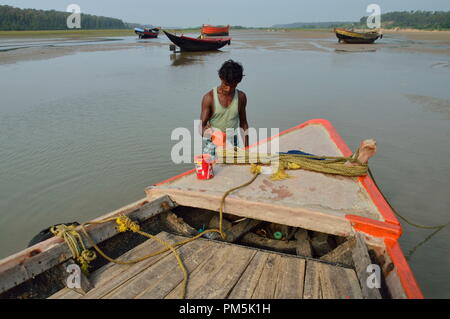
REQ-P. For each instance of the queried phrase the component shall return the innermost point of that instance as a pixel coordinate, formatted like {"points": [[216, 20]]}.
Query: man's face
{"points": [[228, 87]]}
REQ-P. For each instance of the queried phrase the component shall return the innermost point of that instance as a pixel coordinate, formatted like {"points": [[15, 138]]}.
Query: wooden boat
{"points": [[193, 44], [350, 36], [333, 229], [210, 30], [147, 33]]}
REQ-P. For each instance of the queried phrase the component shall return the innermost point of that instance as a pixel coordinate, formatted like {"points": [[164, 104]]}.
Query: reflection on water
{"points": [[84, 134], [187, 58]]}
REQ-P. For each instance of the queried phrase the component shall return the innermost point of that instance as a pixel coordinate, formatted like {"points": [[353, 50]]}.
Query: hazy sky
{"points": [[187, 13]]}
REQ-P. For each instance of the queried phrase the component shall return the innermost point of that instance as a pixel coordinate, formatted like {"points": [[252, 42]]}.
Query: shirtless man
{"points": [[224, 108]]}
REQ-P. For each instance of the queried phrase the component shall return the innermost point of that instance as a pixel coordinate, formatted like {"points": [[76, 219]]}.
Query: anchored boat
{"points": [[312, 235], [350, 36], [193, 44], [215, 31], [147, 33]]}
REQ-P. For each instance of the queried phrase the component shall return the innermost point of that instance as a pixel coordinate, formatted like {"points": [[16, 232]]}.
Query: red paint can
{"points": [[204, 166]]}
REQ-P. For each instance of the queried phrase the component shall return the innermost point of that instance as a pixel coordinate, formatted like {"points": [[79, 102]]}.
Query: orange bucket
{"points": [[204, 166]]}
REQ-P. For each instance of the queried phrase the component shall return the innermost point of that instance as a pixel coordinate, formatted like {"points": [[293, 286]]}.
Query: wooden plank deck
{"points": [[219, 270]]}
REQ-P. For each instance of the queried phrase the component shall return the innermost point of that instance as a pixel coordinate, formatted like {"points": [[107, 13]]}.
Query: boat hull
{"points": [[146, 33], [356, 37], [192, 44], [213, 31]]}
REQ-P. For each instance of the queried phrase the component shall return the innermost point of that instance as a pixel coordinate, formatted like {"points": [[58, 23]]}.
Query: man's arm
{"points": [[243, 124], [205, 115]]}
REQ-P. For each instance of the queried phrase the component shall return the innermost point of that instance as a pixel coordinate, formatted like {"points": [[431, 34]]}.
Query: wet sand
{"points": [[411, 41], [49, 52]]}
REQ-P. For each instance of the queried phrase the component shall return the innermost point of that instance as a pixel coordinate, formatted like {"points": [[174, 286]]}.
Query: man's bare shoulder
{"points": [[242, 96], [208, 97]]}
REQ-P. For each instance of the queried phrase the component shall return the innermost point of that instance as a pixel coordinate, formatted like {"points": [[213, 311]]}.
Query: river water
{"points": [[85, 133]]}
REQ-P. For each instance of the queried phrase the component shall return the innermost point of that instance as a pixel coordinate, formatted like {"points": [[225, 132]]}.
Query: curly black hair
{"points": [[231, 72]]}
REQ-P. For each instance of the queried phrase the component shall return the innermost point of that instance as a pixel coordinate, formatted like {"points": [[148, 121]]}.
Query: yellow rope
{"points": [[76, 245], [336, 165], [124, 223]]}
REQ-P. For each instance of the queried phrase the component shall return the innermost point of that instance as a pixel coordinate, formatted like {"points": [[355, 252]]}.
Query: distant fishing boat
{"points": [[196, 44], [350, 36], [210, 30], [147, 33]]}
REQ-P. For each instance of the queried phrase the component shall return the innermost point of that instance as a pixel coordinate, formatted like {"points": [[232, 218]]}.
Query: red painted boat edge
{"points": [[404, 272], [374, 227]]}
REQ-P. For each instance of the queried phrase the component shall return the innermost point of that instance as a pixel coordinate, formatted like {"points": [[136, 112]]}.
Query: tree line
{"points": [[12, 18], [414, 19]]}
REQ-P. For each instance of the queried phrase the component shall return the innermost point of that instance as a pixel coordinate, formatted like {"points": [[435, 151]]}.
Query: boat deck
{"points": [[314, 201], [218, 270]]}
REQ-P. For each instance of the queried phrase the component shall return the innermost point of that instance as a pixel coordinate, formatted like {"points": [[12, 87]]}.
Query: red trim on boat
{"points": [[404, 272], [175, 177], [374, 227]]}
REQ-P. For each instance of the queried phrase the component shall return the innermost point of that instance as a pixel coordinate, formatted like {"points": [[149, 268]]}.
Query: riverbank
{"points": [[19, 46]]}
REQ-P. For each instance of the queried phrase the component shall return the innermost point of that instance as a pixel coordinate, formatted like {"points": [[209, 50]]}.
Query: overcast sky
{"points": [[186, 13]]}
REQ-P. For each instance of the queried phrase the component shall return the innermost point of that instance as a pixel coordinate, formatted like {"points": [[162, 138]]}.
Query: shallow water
{"points": [[84, 134]]}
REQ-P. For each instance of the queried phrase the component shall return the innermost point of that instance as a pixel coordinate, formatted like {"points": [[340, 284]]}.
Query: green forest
{"points": [[435, 20], [30, 19]]}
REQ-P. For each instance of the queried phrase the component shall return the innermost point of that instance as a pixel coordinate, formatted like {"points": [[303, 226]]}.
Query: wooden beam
{"points": [[336, 223], [321, 243], [177, 225], [237, 231], [255, 240], [361, 260], [303, 244], [343, 254], [39, 258]]}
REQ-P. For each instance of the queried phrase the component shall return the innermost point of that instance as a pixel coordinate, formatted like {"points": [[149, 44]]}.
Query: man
{"points": [[224, 108]]}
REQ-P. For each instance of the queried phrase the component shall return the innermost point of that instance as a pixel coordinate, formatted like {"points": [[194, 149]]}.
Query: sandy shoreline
{"points": [[411, 41]]}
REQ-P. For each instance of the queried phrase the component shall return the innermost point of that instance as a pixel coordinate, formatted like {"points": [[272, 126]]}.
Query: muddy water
{"points": [[85, 133]]}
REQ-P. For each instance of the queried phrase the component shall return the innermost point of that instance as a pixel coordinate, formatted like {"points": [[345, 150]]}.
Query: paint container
{"points": [[219, 138], [204, 166]]}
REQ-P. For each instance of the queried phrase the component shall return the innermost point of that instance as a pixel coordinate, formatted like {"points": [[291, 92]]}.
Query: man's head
{"points": [[231, 74]]}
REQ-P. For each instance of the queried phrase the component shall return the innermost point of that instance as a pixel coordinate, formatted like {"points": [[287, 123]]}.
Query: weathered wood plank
{"points": [[216, 278], [126, 272], [303, 245], [291, 216], [312, 288], [290, 278], [102, 275], [174, 277], [165, 274], [265, 289], [342, 254], [339, 283], [361, 260], [249, 280], [35, 260]]}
